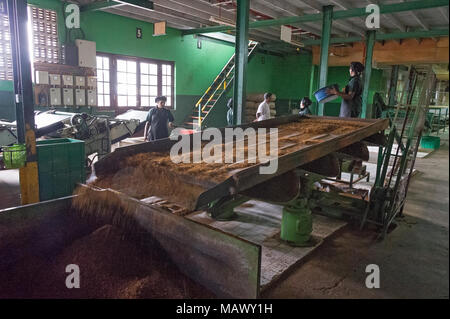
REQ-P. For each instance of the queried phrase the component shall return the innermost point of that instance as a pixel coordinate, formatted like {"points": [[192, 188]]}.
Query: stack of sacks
{"points": [[251, 106]]}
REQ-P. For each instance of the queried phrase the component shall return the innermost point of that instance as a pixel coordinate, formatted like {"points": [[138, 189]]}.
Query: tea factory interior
{"points": [[353, 96]]}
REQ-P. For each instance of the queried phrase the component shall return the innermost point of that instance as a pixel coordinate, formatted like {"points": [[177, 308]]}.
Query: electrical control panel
{"points": [[67, 80], [80, 81], [55, 79], [92, 97], [68, 97], [80, 97], [55, 96], [92, 81], [42, 77], [87, 53]]}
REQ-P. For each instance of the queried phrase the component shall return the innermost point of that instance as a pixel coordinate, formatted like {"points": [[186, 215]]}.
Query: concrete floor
{"points": [[413, 259]]}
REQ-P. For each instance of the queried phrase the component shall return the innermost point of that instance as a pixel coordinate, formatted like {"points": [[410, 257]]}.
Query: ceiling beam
{"points": [[387, 36], [159, 16], [346, 6], [268, 9], [141, 17], [420, 21], [289, 9], [337, 15], [343, 25], [444, 13], [391, 18], [206, 10], [93, 6]]}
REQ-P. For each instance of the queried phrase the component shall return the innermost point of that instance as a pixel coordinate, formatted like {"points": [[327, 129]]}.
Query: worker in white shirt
{"points": [[263, 112]]}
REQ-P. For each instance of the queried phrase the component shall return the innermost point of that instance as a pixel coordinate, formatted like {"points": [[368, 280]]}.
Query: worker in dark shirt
{"points": [[305, 103], [159, 119], [351, 95]]}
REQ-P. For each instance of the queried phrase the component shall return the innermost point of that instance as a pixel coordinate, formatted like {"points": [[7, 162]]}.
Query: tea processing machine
{"points": [[228, 265], [98, 132]]}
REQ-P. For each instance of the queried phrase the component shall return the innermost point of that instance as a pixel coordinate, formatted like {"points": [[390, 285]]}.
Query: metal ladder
{"points": [[214, 92], [395, 168]]}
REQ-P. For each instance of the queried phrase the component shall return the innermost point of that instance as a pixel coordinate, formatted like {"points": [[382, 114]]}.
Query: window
{"points": [[43, 39], [149, 83], [6, 71], [126, 83], [133, 82], [167, 82], [44, 32], [103, 81]]}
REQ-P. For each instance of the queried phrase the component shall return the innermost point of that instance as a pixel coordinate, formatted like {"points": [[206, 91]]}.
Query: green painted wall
{"points": [[287, 77], [195, 68]]}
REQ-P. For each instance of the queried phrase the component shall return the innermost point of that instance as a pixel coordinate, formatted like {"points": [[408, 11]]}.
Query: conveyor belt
{"points": [[292, 155]]}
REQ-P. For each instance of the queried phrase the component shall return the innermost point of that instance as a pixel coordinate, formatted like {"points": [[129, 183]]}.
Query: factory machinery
{"points": [[224, 263], [227, 265], [98, 132]]}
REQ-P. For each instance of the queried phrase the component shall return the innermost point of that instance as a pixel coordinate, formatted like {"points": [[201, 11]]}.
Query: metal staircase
{"points": [[215, 92]]}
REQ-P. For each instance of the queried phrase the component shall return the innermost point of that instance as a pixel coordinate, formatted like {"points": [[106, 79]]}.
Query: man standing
{"points": [[159, 119], [263, 112]]}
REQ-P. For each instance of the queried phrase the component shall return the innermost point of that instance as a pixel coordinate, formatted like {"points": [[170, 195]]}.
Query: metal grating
{"points": [[45, 35]]}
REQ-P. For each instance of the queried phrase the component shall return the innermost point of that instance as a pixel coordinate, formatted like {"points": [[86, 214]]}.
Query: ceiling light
{"points": [[222, 21]]}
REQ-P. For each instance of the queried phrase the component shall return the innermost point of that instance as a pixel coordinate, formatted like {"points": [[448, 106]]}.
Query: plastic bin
{"points": [[61, 165], [14, 156], [322, 96], [433, 142]]}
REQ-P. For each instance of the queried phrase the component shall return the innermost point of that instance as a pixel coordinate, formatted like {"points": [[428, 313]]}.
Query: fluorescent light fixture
{"points": [[223, 21], [220, 36]]}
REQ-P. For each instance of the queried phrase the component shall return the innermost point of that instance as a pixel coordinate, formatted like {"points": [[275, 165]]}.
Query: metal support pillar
{"points": [[313, 87], [324, 46], [23, 89], [393, 85], [370, 43], [241, 59]]}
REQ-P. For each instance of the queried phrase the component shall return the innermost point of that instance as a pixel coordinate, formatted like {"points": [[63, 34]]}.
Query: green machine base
{"points": [[296, 223]]}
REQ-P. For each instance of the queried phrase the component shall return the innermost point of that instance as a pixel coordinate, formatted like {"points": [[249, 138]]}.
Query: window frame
{"points": [[110, 84], [114, 85]]}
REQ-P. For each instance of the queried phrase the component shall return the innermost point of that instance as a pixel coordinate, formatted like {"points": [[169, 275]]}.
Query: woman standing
{"points": [[351, 95]]}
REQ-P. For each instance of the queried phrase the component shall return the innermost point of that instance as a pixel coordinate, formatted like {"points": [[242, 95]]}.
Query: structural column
{"points": [[370, 43], [324, 48], [241, 59], [393, 85], [23, 89]]}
